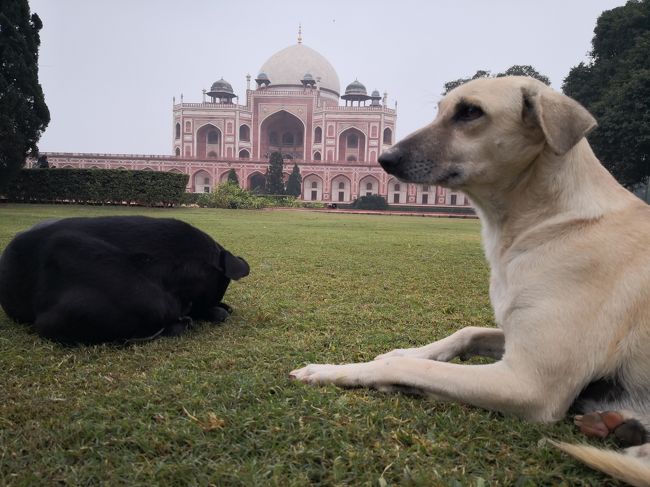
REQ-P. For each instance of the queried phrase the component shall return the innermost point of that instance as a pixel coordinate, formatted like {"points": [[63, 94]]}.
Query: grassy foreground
{"points": [[216, 407]]}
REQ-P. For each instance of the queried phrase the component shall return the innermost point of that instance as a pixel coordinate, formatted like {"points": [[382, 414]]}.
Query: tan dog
{"points": [[569, 254]]}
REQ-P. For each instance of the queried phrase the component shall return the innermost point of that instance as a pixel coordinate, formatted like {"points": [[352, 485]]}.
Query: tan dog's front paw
{"points": [[315, 374], [346, 375]]}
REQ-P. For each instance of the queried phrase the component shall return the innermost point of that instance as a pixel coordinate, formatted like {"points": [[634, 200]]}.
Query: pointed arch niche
{"points": [[283, 132], [208, 142], [340, 189], [352, 145], [312, 188]]}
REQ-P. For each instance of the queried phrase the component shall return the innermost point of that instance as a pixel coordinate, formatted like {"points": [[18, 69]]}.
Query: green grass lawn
{"points": [[216, 407]]}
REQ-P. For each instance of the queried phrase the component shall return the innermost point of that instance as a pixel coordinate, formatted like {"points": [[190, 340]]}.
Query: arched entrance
{"points": [[425, 194], [208, 142], [396, 192], [352, 145], [202, 182], [312, 188], [368, 186], [282, 132], [257, 182], [340, 188]]}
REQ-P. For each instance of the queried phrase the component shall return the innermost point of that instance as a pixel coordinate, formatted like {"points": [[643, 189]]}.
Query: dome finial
{"points": [[299, 33]]}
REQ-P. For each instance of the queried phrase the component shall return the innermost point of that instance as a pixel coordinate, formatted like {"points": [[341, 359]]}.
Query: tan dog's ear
{"points": [[563, 120]]}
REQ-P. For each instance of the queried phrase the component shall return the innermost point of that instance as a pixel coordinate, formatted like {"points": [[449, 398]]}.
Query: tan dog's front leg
{"points": [[497, 386], [465, 343]]}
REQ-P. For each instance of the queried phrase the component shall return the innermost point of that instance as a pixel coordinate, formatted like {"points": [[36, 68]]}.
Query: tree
{"points": [[525, 70], [232, 177], [516, 70], [274, 174], [450, 85], [294, 183], [614, 85], [23, 112]]}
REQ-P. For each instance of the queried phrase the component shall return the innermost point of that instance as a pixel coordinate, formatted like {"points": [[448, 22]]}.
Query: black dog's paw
{"points": [[220, 313], [226, 307], [178, 328]]}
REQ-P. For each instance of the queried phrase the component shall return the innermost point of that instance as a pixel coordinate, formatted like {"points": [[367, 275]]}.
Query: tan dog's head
{"points": [[488, 131]]}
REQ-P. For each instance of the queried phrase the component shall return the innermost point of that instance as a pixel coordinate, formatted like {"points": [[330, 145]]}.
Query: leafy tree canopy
{"points": [[23, 113], [614, 85], [516, 70]]}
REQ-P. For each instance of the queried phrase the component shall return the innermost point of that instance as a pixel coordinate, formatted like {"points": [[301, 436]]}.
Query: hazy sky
{"points": [[109, 69]]}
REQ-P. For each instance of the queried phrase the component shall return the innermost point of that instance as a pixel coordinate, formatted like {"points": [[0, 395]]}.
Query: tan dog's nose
{"points": [[390, 159]]}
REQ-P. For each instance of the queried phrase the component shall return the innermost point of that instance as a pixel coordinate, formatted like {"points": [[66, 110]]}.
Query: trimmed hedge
{"points": [[455, 210], [370, 202], [97, 186]]}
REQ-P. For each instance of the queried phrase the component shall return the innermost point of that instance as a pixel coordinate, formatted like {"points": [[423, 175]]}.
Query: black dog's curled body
{"points": [[112, 279]]}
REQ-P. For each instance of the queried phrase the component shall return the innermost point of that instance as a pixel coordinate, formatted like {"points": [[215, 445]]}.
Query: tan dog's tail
{"points": [[620, 466]]}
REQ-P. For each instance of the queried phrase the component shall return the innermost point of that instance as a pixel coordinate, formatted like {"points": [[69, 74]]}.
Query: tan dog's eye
{"points": [[466, 112]]}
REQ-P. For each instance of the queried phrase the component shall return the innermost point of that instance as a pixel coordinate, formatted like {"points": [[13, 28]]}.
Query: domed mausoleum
{"points": [[293, 105]]}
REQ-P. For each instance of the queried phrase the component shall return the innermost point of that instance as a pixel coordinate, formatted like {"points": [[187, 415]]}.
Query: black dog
{"points": [[110, 279]]}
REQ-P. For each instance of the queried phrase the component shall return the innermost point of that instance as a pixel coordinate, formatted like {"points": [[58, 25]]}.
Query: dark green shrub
{"points": [[232, 177], [228, 195], [190, 198], [372, 202]]}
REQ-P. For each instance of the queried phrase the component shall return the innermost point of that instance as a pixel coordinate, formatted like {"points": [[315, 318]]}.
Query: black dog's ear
{"points": [[232, 266]]}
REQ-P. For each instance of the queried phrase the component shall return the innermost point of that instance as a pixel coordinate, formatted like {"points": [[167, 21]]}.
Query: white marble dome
{"points": [[288, 67]]}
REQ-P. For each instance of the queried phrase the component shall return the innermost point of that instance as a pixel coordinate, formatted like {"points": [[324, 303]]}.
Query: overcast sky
{"points": [[109, 69]]}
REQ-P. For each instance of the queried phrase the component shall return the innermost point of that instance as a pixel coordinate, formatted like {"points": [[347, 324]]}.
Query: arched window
{"points": [[369, 186], [397, 187], [213, 137], [287, 138], [314, 184], [318, 135], [388, 136], [178, 150], [353, 141], [317, 156], [341, 185], [244, 154], [178, 130], [244, 133]]}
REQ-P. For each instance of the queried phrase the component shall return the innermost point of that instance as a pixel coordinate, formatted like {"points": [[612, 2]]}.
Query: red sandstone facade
{"points": [[295, 109]]}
